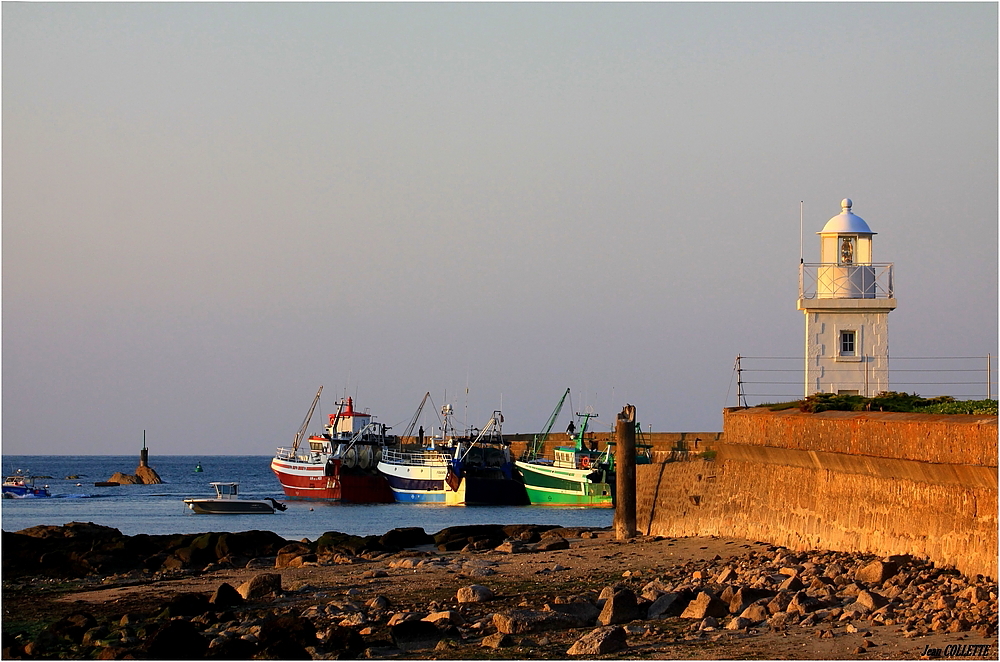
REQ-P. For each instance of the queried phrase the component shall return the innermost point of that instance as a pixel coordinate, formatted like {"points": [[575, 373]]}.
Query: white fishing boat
{"points": [[227, 502]]}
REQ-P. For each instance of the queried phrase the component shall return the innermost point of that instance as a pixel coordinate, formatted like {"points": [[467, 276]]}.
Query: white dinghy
{"points": [[227, 502]]}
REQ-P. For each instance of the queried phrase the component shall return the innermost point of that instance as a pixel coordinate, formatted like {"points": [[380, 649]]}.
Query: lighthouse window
{"points": [[847, 343], [847, 250]]}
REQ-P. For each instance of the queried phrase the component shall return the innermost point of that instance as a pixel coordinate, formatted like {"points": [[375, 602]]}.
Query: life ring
{"points": [[585, 462]]}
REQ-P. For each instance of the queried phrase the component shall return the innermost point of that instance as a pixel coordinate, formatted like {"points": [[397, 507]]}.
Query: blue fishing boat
{"points": [[456, 471], [21, 486]]}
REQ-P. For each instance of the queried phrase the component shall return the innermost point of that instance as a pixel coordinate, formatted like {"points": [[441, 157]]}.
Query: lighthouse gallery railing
{"points": [[845, 281]]}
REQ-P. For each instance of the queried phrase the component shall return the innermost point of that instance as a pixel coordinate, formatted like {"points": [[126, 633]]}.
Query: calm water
{"points": [[159, 509]]}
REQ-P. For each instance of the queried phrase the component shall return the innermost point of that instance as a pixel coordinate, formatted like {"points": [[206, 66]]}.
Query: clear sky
{"points": [[211, 209]]}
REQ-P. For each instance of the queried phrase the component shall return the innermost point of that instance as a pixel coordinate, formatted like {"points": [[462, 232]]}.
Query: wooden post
{"points": [[625, 474]]}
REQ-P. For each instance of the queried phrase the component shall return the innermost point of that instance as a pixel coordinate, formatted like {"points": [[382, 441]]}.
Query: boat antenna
{"points": [[801, 261]]}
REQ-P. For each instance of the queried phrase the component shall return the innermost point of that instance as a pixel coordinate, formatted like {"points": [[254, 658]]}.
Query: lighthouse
{"points": [[846, 298]]}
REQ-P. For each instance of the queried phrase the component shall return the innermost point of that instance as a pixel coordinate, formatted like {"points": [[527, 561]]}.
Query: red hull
{"points": [[311, 483]]}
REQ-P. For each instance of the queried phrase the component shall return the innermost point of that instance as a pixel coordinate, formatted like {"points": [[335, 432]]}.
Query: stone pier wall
{"points": [[882, 483]]}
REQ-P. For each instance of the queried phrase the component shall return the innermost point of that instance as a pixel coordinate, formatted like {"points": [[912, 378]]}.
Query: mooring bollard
{"points": [[625, 474]]}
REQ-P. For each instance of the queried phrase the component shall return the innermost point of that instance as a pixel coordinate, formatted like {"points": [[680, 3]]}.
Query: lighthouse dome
{"points": [[846, 222]]}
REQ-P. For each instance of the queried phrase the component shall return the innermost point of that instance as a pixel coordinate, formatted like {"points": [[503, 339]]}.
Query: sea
{"points": [[159, 509]]}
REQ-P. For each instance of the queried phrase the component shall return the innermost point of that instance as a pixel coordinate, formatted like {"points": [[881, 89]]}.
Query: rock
{"points": [[261, 586], [726, 576], [876, 572], [599, 642], [871, 601], [523, 621], [755, 613], [583, 610], [187, 604], [512, 547], [286, 637], [124, 479], [444, 618], [341, 639], [621, 607], [403, 616], [746, 596], [665, 605], [147, 475], [413, 635], [792, 584], [551, 544], [739, 623], [654, 589], [290, 552], [176, 640], [379, 601], [705, 604], [410, 536], [498, 640], [802, 604], [73, 626], [474, 593]]}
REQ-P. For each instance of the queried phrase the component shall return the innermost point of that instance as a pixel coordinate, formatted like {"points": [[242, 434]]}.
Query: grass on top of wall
{"points": [[888, 401]]}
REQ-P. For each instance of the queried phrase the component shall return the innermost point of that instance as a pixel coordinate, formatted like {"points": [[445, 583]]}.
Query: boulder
{"points": [[665, 605], [755, 613], [73, 626], [290, 552], [474, 593], [599, 642], [551, 544], [444, 618], [413, 635], [746, 596], [286, 637], [621, 607], [870, 600], [187, 604], [147, 475], [226, 596], [176, 640], [522, 621], [876, 572], [705, 604], [512, 547], [583, 610], [410, 536], [342, 639], [261, 586], [498, 640]]}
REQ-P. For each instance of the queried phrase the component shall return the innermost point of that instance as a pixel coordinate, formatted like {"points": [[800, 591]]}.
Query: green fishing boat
{"points": [[576, 474]]}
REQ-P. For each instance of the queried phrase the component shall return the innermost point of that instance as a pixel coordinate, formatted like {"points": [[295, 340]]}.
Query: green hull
{"points": [[550, 486]]}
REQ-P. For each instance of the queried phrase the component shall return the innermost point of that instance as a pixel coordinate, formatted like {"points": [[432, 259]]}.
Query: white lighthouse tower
{"points": [[847, 299]]}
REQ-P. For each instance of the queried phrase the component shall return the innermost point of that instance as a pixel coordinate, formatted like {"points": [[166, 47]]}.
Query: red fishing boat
{"points": [[340, 464]]}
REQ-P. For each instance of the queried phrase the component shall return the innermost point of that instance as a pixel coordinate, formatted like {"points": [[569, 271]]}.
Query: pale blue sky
{"points": [[211, 209]]}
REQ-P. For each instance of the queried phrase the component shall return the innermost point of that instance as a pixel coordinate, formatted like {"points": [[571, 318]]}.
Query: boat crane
{"points": [[305, 424], [539, 441]]}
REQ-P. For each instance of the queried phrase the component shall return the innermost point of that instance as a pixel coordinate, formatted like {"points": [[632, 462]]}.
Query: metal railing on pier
{"points": [[762, 379]]}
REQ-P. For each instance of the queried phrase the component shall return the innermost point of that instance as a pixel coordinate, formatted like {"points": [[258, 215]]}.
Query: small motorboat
{"points": [[227, 502], [21, 486]]}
